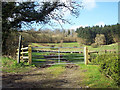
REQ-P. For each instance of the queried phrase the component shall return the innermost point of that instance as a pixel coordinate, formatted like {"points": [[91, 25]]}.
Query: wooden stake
{"points": [[19, 49], [22, 53], [86, 55], [29, 54]]}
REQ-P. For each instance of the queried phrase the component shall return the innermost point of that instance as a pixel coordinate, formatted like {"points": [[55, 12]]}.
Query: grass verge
{"points": [[94, 79]]}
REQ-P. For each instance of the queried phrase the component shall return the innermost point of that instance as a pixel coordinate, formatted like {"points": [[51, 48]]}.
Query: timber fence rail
{"points": [[99, 52], [105, 51], [102, 51]]}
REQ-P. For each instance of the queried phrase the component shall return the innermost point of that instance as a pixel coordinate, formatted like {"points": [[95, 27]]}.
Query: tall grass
{"points": [[10, 65]]}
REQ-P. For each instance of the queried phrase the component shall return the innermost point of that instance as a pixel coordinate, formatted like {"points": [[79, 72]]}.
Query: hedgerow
{"points": [[109, 65]]}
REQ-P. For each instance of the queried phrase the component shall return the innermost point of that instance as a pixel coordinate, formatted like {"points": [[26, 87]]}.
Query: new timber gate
{"points": [[53, 55]]}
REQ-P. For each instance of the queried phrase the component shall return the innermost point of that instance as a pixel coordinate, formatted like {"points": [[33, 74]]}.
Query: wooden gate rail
{"points": [[56, 51]]}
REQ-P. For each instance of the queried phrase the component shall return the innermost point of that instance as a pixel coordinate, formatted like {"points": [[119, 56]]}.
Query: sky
{"points": [[100, 13], [94, 13]]}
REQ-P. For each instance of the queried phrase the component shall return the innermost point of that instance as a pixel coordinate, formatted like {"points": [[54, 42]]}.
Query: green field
{"points": [[75, 44], [101, 49]]}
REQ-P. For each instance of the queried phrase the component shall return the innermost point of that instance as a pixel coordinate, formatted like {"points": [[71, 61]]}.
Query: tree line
{"points": [[89, 35]]}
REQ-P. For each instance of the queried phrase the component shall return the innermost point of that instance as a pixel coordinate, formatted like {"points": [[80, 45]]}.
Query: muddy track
{"points": [[42, 78]]}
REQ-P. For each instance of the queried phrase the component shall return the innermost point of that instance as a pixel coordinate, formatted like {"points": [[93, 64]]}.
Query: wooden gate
{"points": [[54, 55]]}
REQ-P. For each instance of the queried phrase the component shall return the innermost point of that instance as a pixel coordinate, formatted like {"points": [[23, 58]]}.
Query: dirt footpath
{"points": [[42, 78]]}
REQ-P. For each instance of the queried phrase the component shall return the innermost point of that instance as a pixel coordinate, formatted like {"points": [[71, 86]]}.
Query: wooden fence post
{"points": [[86, 55], [19, 49], [22, 53], [29, 54], [61, 43]]}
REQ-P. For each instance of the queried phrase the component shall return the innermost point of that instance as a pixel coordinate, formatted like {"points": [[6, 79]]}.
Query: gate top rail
{"points": [[25, 48], [57, 47]]}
